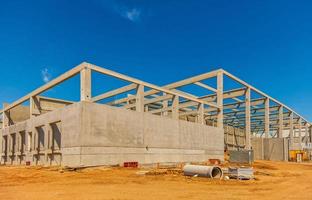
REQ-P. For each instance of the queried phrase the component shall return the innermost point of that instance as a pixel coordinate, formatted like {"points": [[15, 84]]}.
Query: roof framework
{"points": [[237, 106]]}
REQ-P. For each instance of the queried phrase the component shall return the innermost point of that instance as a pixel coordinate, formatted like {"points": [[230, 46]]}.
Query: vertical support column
{"points": [[139, 100], [306, 139], [300, 135], [201, 118], [27, 141], [35, 141], [310, 134], [18, 142], [165, 106], [220, 99], [175, 107], [280, 121], [247, 118], [267, 118], [1, 148], [10, 147], [6, 117], [85, 84], [48, 141], [34, 105], [291, 128]]}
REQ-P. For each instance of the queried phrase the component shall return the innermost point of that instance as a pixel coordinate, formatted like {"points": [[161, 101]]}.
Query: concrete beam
{"points": [[155, 88], [47, 86], [115, 92], [259, 92], [206, 86]]}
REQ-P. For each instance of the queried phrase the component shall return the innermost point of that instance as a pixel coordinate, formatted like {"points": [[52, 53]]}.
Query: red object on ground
{"points": [[131, 164], [215, 161], [27, 163]]}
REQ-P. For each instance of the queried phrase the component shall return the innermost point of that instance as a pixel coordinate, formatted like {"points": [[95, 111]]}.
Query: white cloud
{"points": [[46, 76], [133, 14]]}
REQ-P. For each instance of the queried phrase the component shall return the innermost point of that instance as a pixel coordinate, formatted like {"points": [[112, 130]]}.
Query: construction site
{"points": [[142, 137]]}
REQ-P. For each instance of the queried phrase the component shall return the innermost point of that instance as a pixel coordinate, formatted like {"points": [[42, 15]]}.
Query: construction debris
{"points": [[241, 173]]}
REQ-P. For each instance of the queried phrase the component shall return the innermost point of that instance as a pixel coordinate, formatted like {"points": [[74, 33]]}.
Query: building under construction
{"points": [[191, 120]]}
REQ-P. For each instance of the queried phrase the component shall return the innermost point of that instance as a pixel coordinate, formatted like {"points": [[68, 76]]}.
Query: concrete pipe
{"points": [[203, 171]]}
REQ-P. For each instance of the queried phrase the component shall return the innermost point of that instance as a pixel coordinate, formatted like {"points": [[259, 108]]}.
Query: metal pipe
{"points": [[203, 171]]}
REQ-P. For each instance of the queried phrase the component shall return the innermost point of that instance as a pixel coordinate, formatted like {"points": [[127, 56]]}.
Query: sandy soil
{"points": [[274, 180]]}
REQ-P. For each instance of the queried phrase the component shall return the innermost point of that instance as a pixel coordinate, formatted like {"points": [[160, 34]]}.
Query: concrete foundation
{"points": [[90, 134]]}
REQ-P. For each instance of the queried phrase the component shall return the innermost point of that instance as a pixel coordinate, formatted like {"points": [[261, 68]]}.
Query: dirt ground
{"points": [[274, 180]]}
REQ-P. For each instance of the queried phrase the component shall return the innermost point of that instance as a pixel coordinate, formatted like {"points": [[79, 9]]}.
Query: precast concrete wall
{"points": [[270, 148], [40, 140], [89, 134], [234, 138], [112, 136]]}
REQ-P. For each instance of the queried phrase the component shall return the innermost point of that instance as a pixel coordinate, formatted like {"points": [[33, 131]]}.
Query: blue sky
{"points": [[266, 43]]}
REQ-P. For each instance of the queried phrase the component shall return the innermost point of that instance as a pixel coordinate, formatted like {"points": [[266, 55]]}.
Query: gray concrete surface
{"points": [[89, 134], [270, 148]]}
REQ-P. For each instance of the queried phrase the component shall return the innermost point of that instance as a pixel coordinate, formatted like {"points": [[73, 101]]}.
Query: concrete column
{"points": [[1, 148], [247, 118], [201, 119], [220, 99], [27, 141], [175, 107], [300, 135], [280, 121], [34, 105], [35, 146], [35, 139], [267, 118], [85, 84], [48, 141], [306, 128], [165, 105], [9, 144], [310, 133], [139, 100], [18, 141], [6, 116], [291, 128]]}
